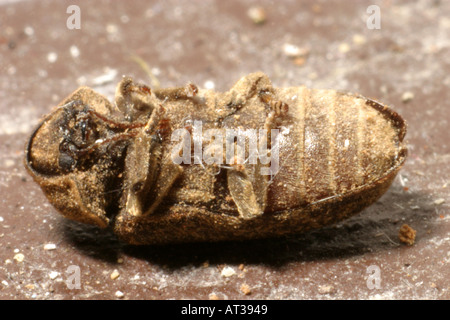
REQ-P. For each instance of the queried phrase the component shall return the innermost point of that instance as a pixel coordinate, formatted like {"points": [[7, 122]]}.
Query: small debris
{"points": [[49, 246], [112, 28], [29, 31], [29, 286], [52, 57], [326, 289], [53, 275], [439, 201], [299, 61], [108, 76], [114, 275], [136, 277], [209, 85], [19, 257], [407, 96], [213, 296], [120, 260], [359, 39], [245, 289], [257, 15], [74, 51], [344, 47], [119, 294], [407, 235], [228, 272], [293, 51], [9, 163]]}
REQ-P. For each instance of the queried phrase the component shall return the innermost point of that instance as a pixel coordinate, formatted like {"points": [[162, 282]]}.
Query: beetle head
{"points": [[76, 157]]}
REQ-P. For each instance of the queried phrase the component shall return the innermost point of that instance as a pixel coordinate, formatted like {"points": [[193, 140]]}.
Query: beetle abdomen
{"points": [[335, 144]]}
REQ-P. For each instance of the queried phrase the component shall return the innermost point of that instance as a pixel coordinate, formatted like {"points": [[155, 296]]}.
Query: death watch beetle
{"points": [[183, 164]]}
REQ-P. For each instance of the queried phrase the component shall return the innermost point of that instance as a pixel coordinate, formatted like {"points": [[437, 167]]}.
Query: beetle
{"points": [[170, 165]]}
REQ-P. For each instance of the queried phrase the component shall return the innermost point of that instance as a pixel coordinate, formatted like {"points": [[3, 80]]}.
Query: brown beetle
{"points": [[183, 164]]}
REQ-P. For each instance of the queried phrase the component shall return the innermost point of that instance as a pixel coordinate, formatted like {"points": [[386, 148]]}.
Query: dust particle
{"points": [[228, 272], [326, 289], [245, 289], [257, 15], [209, 85], [407, 235], [112, 28], [29, 31], [52, 57], [293, 51], [299, 61], [30, 286], [359, 39], [439, 201], [74, 51], [344, 47], [49, 246], [114, 275], [213, 296], [119, 294], [407, 96], [19, 257]]}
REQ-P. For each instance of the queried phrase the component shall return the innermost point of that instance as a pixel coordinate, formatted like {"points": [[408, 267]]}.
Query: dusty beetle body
{"points": [[169, 165]]}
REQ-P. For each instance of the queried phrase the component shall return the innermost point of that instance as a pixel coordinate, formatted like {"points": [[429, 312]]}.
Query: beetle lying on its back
{"points": [[183, 164]]}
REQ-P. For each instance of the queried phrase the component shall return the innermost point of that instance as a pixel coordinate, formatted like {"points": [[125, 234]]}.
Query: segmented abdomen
{"points": [[336, 143]]}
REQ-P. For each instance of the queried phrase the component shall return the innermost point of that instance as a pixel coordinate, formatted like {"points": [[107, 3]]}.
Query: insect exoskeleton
{"points": [[187, 164]]}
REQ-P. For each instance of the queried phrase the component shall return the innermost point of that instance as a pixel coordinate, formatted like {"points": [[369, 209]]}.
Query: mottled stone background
{"points": [[322, 44]]}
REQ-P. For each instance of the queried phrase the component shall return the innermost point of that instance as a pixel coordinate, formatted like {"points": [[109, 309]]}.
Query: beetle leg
{"points": [[168, 173], [277, 110], [150, 172], [146, 193], [187, 92], [248, 188], [132, 98], [247, 87]]}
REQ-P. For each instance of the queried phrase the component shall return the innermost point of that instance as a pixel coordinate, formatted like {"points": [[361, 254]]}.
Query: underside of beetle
{"points": [[185, 164]]}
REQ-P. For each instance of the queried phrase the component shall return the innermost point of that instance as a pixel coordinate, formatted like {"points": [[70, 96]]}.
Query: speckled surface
{"points": [[405, 64]]}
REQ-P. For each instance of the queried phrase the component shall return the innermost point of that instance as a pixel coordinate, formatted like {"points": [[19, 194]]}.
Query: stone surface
{"points": [[213, 44]]}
